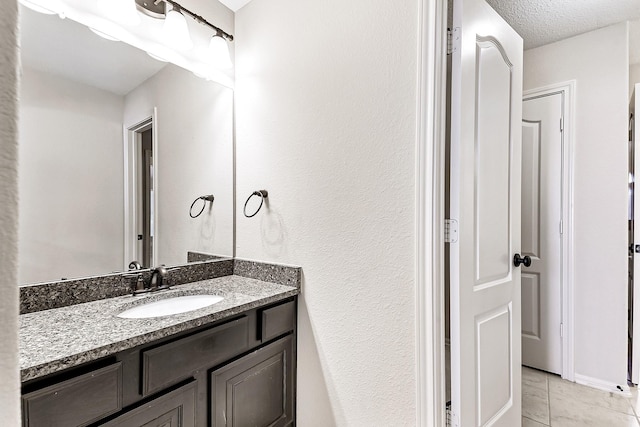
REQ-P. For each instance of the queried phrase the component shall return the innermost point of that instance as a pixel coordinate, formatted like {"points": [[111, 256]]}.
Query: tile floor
{"points": [[548, 400]]}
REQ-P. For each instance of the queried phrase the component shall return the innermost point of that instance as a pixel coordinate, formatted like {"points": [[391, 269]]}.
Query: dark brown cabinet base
{"points": [[174, 409], [237, 372], [256, 390]]}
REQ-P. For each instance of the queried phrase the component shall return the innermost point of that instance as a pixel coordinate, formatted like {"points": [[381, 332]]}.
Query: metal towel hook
{"points": [[207, 198], [263, 194]]}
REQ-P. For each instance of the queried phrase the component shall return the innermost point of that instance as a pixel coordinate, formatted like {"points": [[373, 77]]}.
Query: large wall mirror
{"points": [[114, 148]]}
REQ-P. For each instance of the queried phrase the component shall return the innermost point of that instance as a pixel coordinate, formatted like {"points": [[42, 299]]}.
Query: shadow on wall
{"points": [[312, 394], [273, 231]]}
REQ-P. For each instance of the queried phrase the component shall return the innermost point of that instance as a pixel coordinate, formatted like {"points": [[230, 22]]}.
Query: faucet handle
{"points": [[135, 265], [131, 275], [137, 285]]}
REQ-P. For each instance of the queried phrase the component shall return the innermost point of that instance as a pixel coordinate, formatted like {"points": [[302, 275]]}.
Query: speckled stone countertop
{"points": [[57, 339]]}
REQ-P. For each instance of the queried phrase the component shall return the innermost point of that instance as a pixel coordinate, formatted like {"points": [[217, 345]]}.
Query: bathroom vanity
{"points": [[231, 363]]}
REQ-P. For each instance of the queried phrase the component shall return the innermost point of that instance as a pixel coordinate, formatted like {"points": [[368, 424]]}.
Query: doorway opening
{"points": [[141, 184], [145, 201], [547, 231]]}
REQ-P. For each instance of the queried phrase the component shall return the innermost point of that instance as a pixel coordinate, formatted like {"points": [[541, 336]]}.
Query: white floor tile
{"points": [[526, 422], [548, 400], [535, 404], [534, 378], [567, 411], [591, 397], [635, 400]]}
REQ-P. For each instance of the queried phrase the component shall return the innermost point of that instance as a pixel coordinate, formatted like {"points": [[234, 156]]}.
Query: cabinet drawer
{"points": [[176, 361], [76, 402], [277, 320], [176, 408]]}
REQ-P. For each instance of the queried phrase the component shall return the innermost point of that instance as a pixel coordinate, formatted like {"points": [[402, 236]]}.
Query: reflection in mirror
{"points": [[114, 147]]}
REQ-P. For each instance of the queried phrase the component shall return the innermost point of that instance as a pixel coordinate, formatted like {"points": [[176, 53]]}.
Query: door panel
{"points": [[541, 237], [531, 187], [495, 383], [530, 309], [485, 200], [492, 200]]}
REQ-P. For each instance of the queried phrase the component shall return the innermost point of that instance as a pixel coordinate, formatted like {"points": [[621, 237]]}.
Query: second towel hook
{"points": [[263, 194], [207, 198]]}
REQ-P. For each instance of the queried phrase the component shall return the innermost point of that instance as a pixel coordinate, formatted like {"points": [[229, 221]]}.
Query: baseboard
{"points": [[622, 389]]}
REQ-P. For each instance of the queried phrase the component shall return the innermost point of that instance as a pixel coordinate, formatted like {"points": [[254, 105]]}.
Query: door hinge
{"points": [[450, 231], [561, 227], [561, 124], [453, 40], [561, 330]]}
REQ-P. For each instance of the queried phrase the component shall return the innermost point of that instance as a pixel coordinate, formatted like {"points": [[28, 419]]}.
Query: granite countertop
{"points": [[53, 340]]}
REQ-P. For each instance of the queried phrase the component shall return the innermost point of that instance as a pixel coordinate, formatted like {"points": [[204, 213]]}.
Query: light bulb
{"points": [[219, 52], [176, 31], [121, 11]]}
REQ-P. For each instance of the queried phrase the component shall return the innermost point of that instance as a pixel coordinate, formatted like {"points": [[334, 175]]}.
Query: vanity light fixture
{"points": [[176, 31], [219, 52]]}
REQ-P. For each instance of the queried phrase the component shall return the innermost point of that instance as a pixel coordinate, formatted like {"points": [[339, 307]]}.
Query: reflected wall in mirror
{"points": [[81, 98]]}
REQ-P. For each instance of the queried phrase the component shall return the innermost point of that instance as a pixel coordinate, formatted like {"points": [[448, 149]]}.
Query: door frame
{"points": [[568, 90], [429, 227], [130, 137]]}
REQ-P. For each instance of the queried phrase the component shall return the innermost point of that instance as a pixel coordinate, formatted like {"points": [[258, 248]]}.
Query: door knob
{"points": [[517, 260]]}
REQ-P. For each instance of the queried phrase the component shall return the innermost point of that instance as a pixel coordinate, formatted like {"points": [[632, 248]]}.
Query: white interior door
{"points": [[486, 138], [541, 232]]}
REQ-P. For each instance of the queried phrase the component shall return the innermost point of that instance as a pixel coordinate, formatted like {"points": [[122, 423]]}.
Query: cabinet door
{"points": [[174, 409], [256, 390]]}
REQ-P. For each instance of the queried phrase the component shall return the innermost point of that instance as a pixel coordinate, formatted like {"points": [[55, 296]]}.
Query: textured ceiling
{"points": [[540, 22]]}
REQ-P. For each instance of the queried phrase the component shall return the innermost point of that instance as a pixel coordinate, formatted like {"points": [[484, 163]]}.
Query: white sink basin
{"points": [[170, 306]]}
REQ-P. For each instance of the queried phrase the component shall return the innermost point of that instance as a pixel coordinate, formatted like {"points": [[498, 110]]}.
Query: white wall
{"points": [[634, 76], [194, 158], [71, 179], [598, 61], [9, 371], [326, 122]]}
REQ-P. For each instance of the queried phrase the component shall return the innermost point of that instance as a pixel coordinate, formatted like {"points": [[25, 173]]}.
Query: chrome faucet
{"points": [[139, 285], [157, 277]]}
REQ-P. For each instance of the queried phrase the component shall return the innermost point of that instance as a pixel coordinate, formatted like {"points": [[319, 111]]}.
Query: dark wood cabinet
{"points": [[236, 372], [256, 390], [77, 401], [176, 408], [169, 363]]}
